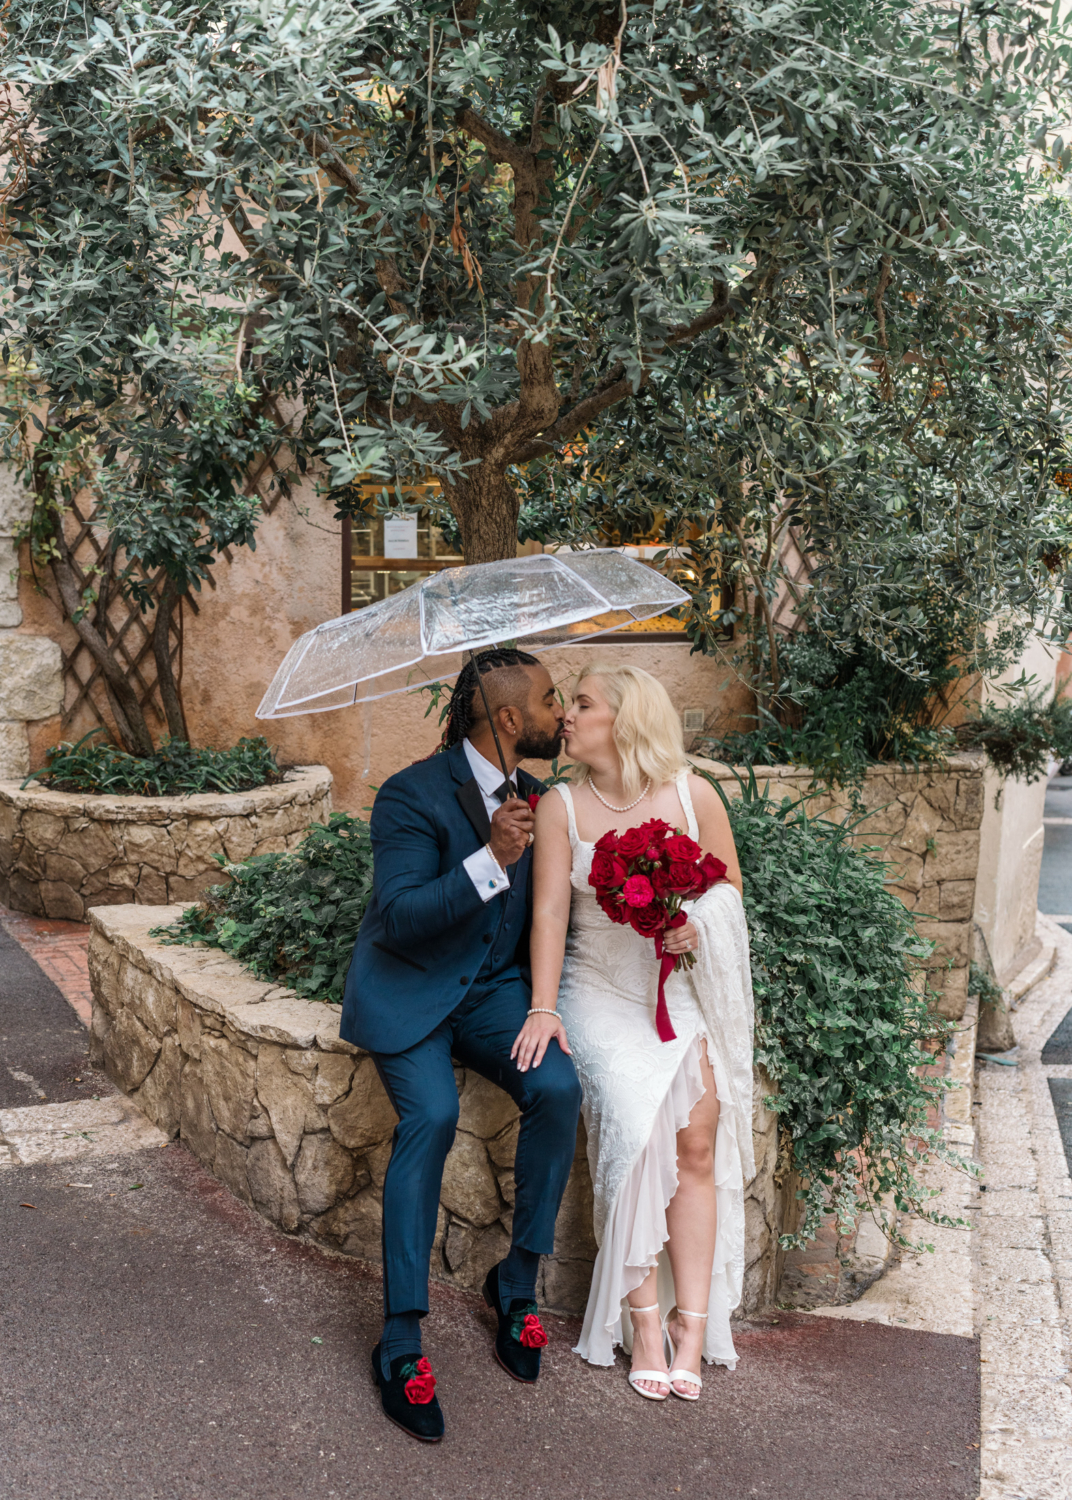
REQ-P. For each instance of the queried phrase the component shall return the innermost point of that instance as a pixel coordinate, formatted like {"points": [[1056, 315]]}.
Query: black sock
{"points": [[517, 1276], [401, 1335]]}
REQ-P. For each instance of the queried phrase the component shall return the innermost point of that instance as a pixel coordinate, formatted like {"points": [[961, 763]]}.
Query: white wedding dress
{"points": [[639, 1092]]}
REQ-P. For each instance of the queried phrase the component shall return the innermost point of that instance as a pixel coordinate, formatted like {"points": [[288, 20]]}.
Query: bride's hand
{"points": [[532, 1040], [682, 939]]}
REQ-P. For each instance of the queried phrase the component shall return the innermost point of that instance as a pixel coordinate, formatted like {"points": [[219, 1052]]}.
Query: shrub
{"points": [[176, 769], [1019, 737], [294, 916], [841, 1027]]}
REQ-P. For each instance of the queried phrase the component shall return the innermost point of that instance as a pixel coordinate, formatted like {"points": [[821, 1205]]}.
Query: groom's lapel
{"points": [[471, 802]]}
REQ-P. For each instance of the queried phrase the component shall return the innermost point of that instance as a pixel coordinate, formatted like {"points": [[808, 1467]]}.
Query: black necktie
{"points": [[505, 791]]}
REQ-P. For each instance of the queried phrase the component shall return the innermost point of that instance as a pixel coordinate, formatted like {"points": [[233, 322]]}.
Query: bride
{"points": [[669, 1123]]}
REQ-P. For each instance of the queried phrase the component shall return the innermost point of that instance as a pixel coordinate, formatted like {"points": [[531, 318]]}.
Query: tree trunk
{"points": [[165, 676], [485, 506]]}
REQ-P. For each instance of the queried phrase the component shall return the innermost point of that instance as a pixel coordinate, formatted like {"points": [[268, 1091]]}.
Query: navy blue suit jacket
{"points": [[427, 933]]}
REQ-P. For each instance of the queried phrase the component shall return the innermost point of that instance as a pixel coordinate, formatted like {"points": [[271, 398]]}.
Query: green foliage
{"points": [[292, 917], [840, 1026], [985, 986], [175, 770], [1019, 737]]}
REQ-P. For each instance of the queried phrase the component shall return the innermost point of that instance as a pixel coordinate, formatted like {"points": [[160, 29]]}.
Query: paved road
{"points": [[160, 1340]]}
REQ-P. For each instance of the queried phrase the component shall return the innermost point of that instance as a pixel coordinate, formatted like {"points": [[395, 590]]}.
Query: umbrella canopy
{"points": [[418, 635]]}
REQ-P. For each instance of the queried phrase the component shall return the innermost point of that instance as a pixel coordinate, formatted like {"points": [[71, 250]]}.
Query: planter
{"points": [[926, 825], [257, 1084], [63, 852]]}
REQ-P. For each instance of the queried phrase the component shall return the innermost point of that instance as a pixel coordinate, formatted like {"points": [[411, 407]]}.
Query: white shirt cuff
{"points": [[483, 870]]}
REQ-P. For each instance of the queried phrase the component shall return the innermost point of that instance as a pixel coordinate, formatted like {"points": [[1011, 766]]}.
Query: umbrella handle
{"points": [[491, 721]]}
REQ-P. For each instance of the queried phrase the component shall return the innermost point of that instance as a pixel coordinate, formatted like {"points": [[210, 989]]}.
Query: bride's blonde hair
{"points": [[647, 729]]}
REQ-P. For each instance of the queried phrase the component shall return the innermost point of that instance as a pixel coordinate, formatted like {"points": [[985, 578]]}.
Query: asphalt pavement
{"points": [[159, 1339]]}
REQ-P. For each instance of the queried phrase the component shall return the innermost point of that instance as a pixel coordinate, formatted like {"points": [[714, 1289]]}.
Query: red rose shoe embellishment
{"points": [[420, 1382], [532, 1334]]}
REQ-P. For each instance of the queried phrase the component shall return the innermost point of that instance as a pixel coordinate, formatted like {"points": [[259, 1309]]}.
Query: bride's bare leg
{"points": [[647, 1334], [691, 1221]]}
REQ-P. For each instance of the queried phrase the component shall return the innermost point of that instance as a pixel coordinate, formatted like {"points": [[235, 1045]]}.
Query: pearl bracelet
{"points": [[539, 1010]]}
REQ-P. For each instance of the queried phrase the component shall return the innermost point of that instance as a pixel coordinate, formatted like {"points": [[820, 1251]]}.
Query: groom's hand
{"points": [[539, 1029], [511, 831]]}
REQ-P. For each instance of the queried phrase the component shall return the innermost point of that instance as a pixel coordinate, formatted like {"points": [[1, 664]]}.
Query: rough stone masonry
{"points": [[258, 1085]]}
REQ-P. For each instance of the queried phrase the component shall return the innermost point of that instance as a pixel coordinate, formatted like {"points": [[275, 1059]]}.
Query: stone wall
{"points": [[926, 825], [295, 1122], [31, 666], [63, 852]]}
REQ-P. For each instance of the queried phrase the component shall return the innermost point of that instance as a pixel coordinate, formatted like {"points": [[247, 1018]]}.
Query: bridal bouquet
{"points": [[641, 877]]}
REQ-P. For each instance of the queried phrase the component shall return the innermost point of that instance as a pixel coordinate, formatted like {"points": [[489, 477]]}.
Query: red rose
{"points": [[608, 843], [633, 842], [683, 877], [660, 879], [637, 890], [712, 870], [532, 1335], [612, 908], [420, 1388], [683, 848], [647, 920], [534, 797], [607, 869]]}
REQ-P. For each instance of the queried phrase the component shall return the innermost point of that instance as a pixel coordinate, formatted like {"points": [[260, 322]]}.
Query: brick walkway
{"points": [[60, 949]]}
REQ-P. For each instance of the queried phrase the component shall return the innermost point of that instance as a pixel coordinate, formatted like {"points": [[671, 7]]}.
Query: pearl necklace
{"points": [[610, 805]]}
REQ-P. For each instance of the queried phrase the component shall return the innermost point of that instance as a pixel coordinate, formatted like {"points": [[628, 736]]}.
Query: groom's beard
{"points": [[533, 744]]}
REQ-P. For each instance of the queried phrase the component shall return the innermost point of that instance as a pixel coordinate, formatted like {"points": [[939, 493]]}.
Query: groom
{"points": [[440, 971]]}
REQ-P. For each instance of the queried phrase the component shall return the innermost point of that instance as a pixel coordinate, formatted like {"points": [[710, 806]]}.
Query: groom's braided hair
{"points": [[466, 707]]}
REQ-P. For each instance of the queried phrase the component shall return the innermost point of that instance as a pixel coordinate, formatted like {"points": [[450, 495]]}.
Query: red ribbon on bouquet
{"points": [[641, 877], [666, 967]]}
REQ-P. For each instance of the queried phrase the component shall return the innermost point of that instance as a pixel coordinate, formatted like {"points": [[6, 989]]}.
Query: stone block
{"points": [[188, 1018], [16, 501], [566, 1284], [334, 1072], [202, 842], [921, 827], [355, 1225], [953, 993], [149, 999], [271, 1185], [957, 900], [132, 1049], [61, 867], [230, 1166], [61, 901], [377, 1160], [159, 1094], [364, 1117], [955, 857], [31, 676], [197, 1126], [286, 1097], [149, 844], [237, 836], [150, 888], [14, 750], [485, 1110], [323, 1173], [94, 845], [469, 1186], [183, 891], [301, 1061], [228, 1074], [104, 962], [503, 1148], [482, 1250], [968, 812], [950, 939], [43, 830], [24, 895]]}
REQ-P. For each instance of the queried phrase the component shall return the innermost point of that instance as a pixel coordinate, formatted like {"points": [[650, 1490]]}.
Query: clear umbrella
{"points": [[419, 635]]}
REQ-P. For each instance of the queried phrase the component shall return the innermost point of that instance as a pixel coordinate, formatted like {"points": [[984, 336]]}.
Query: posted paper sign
{"points": [[400, 536]]}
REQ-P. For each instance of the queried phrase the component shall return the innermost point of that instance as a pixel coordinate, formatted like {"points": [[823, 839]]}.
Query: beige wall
{"points": [[1010, 854], [265, 599]]}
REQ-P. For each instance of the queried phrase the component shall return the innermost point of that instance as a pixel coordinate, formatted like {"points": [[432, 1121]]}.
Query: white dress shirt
{"points": [[482, 867]]}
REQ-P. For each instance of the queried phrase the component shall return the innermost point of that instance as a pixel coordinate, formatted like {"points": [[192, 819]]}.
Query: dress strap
{"points": [[562, 788], [683, 792]]}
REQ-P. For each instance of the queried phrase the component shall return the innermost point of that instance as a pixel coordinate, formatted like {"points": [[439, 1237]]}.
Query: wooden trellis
{"points": [[125, 627]]}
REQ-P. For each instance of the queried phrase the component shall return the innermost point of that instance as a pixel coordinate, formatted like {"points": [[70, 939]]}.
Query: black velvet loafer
{"points": [[409, 1398], [520, 1339]]}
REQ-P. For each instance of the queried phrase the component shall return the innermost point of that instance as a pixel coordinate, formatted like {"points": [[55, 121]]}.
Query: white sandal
{"points": [[676, 1374], [659, 1377]]}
